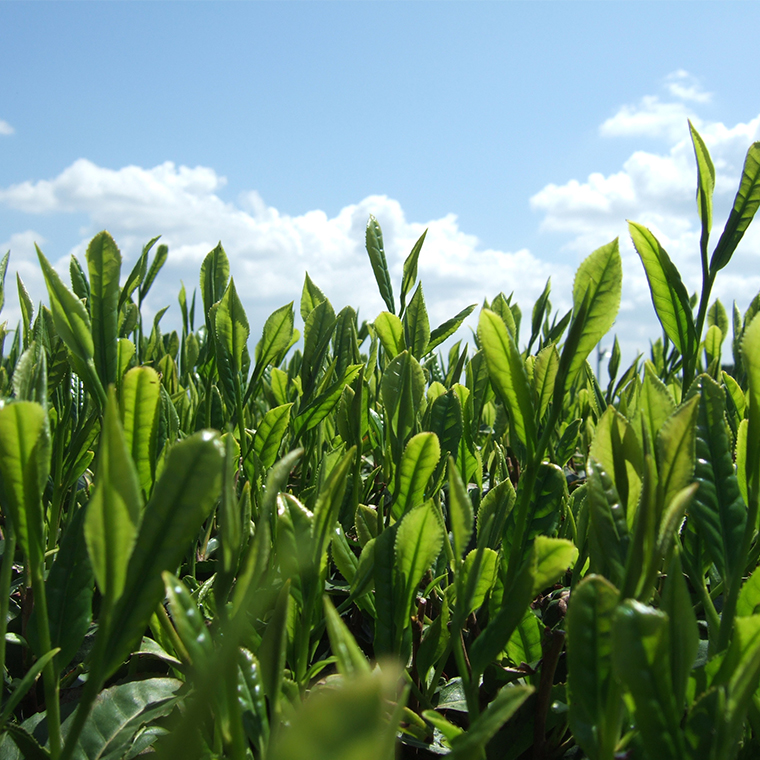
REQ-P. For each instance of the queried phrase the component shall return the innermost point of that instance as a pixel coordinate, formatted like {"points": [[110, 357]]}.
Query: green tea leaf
{"points": [[419, 541], [269, 435], [311, 297], [72, 322], [402, 389], [617, 449], [544, 375], [104, 265], [486, 574], [418, 463], [485, 726], [598, 285], [410, 270], [745, 206], [390, 330], [718, 508], [525, 643], [641, 655], [608, 528], [553, 557], [351, 659], [113, 514], [215, 272], [69, 592], [417, 325], [350, 723], [3, 270], [669, 296], [751, 358], [448, 328], [460, 511], [24, 465], [676, 451], [188, 620], [328, 504], [594, 704], [119, 713], [182, 499], [232, 329], [374, 242], [162, 253], [705, 186], [275, 339], [508, 376], [684, 634], [657, 402], [140, 404], [317, 332]]}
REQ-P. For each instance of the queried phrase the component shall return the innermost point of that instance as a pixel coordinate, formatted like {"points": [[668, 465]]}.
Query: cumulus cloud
{"points": [[5, 128], [270, 251], [656, 118], [657, 189]]}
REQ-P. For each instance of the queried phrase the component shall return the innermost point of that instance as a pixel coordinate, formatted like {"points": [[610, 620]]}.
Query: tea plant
{"points": [[350, 545]]}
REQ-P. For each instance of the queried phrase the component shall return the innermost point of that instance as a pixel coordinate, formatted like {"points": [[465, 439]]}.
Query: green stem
{"points": [[50, 675], [6, 571], [240, 420]]}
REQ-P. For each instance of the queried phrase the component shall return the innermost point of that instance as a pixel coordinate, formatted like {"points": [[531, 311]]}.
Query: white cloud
{"points": [[657, 189], [5, 128], [270, 251], [654, 118], [681, 84]]}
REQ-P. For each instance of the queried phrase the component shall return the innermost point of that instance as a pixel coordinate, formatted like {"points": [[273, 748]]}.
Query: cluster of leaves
{"points": [[359, 546]]}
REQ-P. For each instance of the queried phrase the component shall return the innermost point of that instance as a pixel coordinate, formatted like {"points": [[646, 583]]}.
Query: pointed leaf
{"points": [[311, 297], [232, 329], [184, 495], [417, 324], [374, 242], [598, 285], [460, 511], [24, 465], [140, 404], [114, 511], [745, 205], [104, 265], [418, 463], [718, 508], [669, 296], [508, 376], [641, 655], [418, 543], [390, 330], [676, 451], [589, 661]]}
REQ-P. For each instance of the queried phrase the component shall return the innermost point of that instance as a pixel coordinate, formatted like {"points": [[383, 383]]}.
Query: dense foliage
{"points": [[352, 545]]}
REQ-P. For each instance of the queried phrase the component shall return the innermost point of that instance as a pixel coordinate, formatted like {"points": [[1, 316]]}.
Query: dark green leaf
{"points": [[374, 242], [104, 265], [183, 497]]}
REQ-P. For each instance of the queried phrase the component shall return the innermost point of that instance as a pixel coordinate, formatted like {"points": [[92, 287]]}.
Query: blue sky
{"points": [[522, 134]]}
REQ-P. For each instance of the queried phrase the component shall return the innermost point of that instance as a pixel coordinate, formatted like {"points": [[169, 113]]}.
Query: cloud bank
{"points": [[5, 128], [270, 251], [658, 189]]}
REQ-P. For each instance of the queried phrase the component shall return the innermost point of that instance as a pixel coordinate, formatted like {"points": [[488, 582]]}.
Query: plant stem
{"points": [[6, 571], [49, 674]]}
